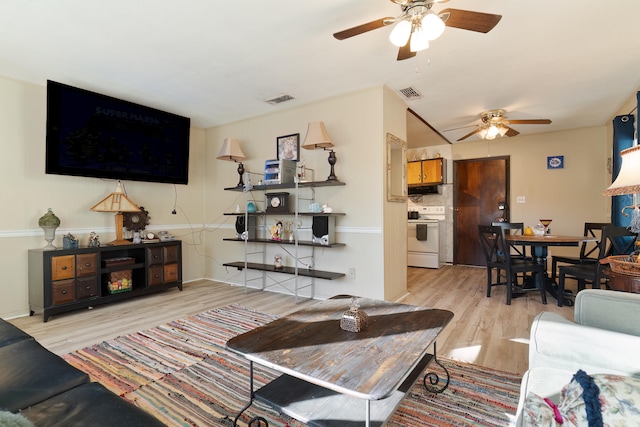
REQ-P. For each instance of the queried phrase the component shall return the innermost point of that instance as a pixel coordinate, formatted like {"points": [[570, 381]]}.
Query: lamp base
{"points": [[332, 161], [118, 242], [240, 172]]}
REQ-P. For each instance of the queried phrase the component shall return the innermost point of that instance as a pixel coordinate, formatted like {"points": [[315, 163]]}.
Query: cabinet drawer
{"points": [[63, 291], [63, 267], [86, 287], [171, 273], [154, 255], [86, 265], [155, 275], [170, 254]]}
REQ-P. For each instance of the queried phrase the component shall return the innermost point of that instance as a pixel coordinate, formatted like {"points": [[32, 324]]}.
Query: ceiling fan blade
{"points": [[512, 132], [473, 21], [405, 51], [530, 122], [369, 26], [469, 134]]}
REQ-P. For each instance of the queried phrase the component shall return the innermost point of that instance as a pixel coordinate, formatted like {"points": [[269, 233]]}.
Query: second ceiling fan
{"points": [[418, 24], [495, 123]]}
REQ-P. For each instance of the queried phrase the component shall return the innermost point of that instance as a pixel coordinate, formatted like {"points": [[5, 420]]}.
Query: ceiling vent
{"points": [[280, 99], [410, 93]]}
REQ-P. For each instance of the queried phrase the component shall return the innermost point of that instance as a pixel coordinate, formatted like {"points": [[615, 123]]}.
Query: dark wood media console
{"points": [[63, 280]]}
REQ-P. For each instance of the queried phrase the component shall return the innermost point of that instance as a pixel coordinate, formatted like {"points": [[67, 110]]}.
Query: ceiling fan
{"points": [[418, 24], [495, 123]]}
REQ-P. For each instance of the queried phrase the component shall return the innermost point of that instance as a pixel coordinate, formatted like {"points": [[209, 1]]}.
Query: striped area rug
{"points": [[181, 373]]}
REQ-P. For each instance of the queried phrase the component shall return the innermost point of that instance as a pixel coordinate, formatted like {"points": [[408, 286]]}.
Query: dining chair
{"points": [[588, 250], [498, 257], [516, 228], [614, 241]]}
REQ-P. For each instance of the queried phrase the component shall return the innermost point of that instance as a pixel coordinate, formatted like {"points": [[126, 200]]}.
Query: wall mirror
{"points": [[396, 169]]}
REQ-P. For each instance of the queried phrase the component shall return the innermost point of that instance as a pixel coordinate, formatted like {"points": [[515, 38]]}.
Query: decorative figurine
{"points": [[326, 208], [136, 237], [94, 240], [277, 261], [69, 241], [276, 231]]}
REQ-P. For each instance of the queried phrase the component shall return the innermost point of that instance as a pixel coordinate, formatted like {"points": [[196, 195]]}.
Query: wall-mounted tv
{"points": [[94, 135]]}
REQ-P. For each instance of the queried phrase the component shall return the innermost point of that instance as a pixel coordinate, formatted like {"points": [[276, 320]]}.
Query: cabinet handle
{"points": [[87, 288], [64, 267], [64, 292], [88, 264]]}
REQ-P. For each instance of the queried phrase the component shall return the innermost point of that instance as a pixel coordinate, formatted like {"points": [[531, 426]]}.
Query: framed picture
{"points": [[555, 162], [288, 147]]}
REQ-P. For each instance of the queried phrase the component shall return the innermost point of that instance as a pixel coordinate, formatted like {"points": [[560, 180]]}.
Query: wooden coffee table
{"points": [[336, 378]]}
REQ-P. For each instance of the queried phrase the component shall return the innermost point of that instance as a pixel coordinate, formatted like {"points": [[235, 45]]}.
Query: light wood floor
{"points": [[484, 331]]}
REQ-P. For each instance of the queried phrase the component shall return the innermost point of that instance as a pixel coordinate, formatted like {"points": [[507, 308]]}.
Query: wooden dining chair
{"points": [[498, 257], [588, 250], [614, 241], [514, 228]]}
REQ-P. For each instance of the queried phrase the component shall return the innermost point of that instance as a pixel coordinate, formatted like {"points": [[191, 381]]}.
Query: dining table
{"points": [[540, 244]]}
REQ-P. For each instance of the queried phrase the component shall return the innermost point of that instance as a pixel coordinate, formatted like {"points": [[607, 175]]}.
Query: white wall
{"points": [[27, 193], [354, 122]]}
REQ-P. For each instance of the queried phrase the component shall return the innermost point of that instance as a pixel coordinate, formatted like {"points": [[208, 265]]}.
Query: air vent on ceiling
{"points": [[410, 93], [280, 99]]}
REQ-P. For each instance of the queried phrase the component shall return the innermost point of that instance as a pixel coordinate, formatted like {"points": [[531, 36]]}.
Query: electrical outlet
{"points": [[352, 273], [521, 199]]}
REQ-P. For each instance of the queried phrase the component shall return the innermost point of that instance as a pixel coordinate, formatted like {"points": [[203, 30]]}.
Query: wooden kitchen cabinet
{"points": [[425, 172]]}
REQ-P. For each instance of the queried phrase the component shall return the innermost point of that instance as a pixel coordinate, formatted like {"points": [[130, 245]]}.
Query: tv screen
{"points": [[94, 135]]}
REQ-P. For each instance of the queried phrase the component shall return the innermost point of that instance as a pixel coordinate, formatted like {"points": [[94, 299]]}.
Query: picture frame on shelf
{"points": [[288, 147]]}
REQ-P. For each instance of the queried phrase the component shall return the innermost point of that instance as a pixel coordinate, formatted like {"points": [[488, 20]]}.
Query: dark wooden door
{"points": [[480, 196]]}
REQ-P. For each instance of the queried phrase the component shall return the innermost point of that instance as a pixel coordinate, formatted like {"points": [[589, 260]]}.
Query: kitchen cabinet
{"points": [[425, 172]]}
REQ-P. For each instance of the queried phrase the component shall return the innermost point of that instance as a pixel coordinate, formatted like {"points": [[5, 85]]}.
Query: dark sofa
{"points": [[48, 391]]}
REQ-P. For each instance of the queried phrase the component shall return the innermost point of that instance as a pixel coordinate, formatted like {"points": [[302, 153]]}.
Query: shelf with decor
{"points": [[277, 204]]}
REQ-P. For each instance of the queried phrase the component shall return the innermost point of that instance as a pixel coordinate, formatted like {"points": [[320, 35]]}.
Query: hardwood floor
{"points": [[484, 331]]}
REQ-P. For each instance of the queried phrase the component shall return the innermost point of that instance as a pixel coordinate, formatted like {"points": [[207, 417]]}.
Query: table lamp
{"points": [[231, 151], [317, 137], [117, 202], [628, 182]]}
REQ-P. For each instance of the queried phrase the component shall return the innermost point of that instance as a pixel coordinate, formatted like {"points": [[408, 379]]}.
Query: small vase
{"points": [[49, 235]]}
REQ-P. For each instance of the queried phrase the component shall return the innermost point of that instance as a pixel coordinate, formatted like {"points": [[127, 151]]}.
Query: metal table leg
{"points": [[433, 378]]}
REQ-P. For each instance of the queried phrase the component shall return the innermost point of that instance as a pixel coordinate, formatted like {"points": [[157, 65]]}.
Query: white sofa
{"points": [[605, 338]]}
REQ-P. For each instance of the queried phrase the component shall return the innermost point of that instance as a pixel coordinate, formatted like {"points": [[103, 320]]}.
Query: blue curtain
{"points": [[622, 138]]}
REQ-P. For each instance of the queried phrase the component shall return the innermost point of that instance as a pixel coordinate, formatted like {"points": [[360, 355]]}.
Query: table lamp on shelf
{"points": [[628, 182], [117, 202], [317, 137], [231, 151]]}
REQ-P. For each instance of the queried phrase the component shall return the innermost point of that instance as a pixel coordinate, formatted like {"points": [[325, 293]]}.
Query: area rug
{"points": [[181, 373]]}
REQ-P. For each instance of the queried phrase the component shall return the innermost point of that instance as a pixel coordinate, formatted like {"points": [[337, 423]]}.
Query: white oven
{"points": [[423, 239]]}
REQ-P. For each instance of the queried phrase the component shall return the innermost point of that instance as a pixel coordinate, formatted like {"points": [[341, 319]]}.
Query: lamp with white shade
{"points": [[318, 137], [231, 151], [117, 202], [628, 182]]}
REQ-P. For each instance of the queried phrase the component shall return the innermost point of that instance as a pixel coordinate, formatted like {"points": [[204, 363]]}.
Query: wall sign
{"points": [[555, 162]]}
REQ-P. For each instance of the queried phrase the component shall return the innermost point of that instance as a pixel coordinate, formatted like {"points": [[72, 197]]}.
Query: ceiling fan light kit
{"points": [[495, 123], [417, 25]]}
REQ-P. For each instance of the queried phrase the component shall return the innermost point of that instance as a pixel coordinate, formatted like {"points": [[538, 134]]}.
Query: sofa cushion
{"points": [[88, 405], [9, 419], [30, 374], [616, 400], [10, 334]]}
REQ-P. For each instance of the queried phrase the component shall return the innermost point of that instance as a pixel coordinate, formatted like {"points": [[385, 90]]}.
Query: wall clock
{"points": [[277, 202], [136, 221]]}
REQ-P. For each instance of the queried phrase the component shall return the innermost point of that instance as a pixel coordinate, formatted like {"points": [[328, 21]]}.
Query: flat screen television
{"points": [[94, 135]]}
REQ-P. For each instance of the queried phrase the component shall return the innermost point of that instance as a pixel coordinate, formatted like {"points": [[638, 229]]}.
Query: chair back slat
{"points": [[592, 229]]}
